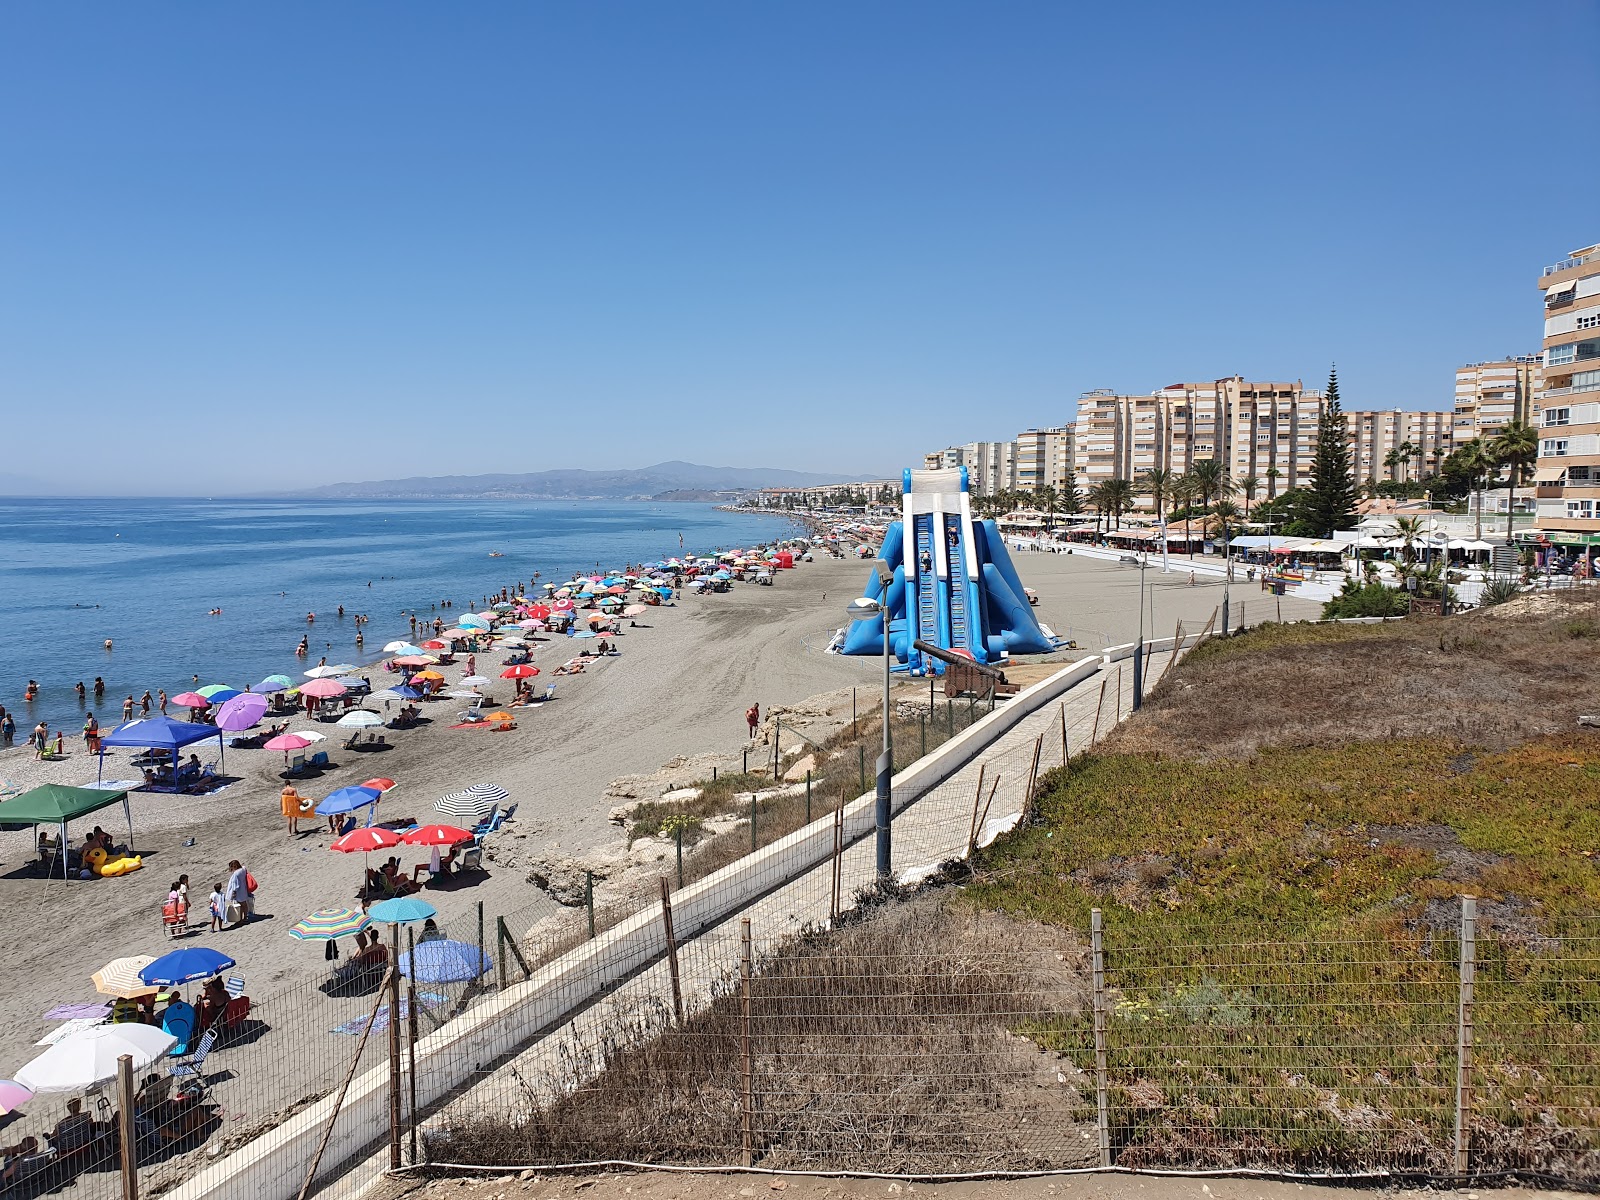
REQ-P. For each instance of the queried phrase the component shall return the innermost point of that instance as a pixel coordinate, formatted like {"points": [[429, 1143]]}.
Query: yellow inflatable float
{"points": [[109, 868]]}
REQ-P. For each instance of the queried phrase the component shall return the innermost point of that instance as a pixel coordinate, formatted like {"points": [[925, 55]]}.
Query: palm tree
{"points": [[1392, 461], [1158, 482], [1518, 448], [1095, 497], [1404, 452], [1211, 480], [1477, 459], [1273, 475], [1249, 485], [1410, 530], [1119, 499], [1226, 510], [1047, 496]]}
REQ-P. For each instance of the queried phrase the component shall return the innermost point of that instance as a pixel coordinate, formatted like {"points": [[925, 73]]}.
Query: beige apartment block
{"points": [[991, 466], [1253, 427], [1491, 394], [1568, 474], [1423, 440], [1043, 458]]}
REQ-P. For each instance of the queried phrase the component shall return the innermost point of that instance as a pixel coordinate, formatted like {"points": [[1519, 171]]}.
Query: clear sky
{"points": [[254, 246]]}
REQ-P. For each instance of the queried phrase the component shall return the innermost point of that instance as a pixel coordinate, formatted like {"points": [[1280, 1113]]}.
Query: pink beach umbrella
{"points": [[241, 712], [323, 688], [191, 700], [12, 1096], [287, 742]]}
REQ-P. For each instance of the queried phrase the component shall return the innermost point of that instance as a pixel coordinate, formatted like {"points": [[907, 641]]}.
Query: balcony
{"points": [[1567, 263]]}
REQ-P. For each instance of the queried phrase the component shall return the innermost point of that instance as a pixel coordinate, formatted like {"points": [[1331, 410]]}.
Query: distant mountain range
{"points": [[664, 481]]}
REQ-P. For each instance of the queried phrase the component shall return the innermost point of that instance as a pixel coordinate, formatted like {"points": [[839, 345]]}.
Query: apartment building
{"points": [[1490, 394], [1567, 478], [1043, 458], [1253, 427], [1421, 440], [991, 466]]}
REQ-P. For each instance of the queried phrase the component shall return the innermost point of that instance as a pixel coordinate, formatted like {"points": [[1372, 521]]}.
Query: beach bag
{"points": [[250, 883]]}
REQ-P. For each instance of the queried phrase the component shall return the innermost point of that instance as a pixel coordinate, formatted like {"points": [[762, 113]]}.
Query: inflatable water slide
{"points": [[954, 584]]}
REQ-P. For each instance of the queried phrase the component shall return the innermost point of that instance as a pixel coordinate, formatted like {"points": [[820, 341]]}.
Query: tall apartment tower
{"points": [[1490, 394], [1568, 473]]}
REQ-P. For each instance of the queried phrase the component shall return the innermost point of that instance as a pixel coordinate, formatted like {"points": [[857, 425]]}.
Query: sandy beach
{"points": [[680, 687]]}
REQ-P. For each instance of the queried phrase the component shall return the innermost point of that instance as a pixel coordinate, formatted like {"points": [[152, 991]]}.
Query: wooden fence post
{"points": [[672, 950], [972, 833], [1098, 705], [128, 1136]]}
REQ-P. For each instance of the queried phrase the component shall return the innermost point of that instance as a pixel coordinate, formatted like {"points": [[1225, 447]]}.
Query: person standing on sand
{"points": [[238, 893], [292, 807], [752, 717]]}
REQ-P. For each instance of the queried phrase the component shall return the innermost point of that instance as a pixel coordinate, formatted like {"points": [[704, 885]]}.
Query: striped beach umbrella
{"points": [[329, 924], [474, 803], [120, 977]]}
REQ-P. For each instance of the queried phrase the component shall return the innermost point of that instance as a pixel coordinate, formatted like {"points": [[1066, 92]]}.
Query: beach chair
{"points": [[235, 986], [471, 858], [180, 1026], [195, 1068], [319, 759], [174, 923]]}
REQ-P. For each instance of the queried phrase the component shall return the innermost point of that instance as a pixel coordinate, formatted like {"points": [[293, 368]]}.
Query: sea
{"points": [[146, 574]]}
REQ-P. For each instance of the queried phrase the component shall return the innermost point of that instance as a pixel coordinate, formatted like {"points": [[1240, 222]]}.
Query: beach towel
{"points": [[425, 1001]]}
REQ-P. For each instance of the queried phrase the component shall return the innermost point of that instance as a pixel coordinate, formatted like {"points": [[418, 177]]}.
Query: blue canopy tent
{"points": [[158, 733]]}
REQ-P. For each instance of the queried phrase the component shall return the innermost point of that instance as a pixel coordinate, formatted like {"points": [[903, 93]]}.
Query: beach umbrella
{"points": [[310, 735], [444, 961], [241, 712], [472, 622], [359, 718], [347, 799], [474, 803], [616, 589], [287, 742], [585, 633], [501, 716], [473, 680], [403, 693], [274, 683], [635, 610], [415, 660], [88, 1057], [217, 693], [535, 615], [435, 644], [120, 976], [12, 1096], [191, 700], [400, 648], [329, 924], [323, 688], [366, 840], [464, 634], [562, 605], [379, 784], [520, 671], [464, 694], [402, 910], [188, 965], [437, 835], [324, 672], [483, 616], [427, 675]]}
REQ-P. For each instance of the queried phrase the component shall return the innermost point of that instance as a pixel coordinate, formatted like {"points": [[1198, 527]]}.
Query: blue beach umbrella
{"points": [[274, 683], [403, 910], [403, 692], [186, 966], [347, 799], [444, 961]]}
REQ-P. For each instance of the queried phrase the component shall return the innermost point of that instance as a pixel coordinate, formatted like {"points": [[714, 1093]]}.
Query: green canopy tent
{"points": [[55, 804]]}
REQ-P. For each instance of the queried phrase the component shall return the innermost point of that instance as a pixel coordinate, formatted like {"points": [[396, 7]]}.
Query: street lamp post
{"points": [[1138, 647], [865, 608]]}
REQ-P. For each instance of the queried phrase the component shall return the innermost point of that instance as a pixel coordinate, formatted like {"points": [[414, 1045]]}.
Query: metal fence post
{"points": [[411, 1043], [1469, 971], [1101, 1072], [752, 822], [677, 836], [394, 1053], [808, 797], [588, 898], [747, 1095]]}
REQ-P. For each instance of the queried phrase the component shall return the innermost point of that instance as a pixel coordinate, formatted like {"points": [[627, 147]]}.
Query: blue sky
{"points": [[256, 246]]}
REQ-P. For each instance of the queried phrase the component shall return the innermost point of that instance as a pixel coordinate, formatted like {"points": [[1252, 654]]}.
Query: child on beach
{"points": [[216, 907]]}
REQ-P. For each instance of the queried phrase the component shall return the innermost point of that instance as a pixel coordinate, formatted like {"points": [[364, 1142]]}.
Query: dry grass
{"points": [[1493, 678], [888, 1046]]}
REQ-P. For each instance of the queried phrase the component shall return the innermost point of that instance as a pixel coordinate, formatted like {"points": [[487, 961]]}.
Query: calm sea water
{"points": [[144, 573]]}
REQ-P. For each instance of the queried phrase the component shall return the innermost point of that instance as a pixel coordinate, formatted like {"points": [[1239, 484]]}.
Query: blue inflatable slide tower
{"points": [[954, 585]]}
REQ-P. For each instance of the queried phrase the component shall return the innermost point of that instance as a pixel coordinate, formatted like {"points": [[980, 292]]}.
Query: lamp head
{"points": [[863, 608]]}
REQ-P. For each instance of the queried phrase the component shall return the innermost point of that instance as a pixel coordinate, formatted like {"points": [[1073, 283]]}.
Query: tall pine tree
{"points": [[1332, 503]]}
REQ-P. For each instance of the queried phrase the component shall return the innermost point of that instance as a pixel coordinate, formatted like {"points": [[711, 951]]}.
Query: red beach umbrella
{"points": [[539, 611], [437, 835], [379, 784], [361, 841], [524, 671]]}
